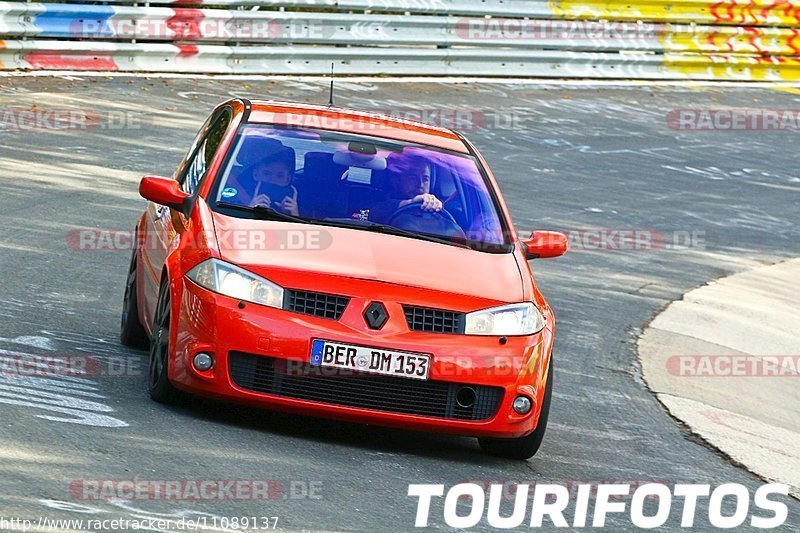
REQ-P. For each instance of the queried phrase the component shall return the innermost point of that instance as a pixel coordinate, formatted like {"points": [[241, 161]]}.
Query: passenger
{"points": [[272, 177]]}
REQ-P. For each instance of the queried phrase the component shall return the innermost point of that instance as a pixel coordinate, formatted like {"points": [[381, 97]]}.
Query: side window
{"points": [[199, 163]]}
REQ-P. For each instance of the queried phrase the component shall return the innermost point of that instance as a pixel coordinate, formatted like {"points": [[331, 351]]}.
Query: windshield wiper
{"points": [[390, 230], [264, 213]]}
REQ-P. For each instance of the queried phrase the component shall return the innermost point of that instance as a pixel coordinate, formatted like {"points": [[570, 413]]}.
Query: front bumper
{"points": [[218, 325]]}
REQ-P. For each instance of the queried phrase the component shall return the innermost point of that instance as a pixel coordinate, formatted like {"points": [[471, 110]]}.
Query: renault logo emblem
{"points": [[376, 315]]}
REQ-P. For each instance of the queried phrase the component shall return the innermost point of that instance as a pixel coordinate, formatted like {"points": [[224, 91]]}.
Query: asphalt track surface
{"points": [[576, 157]]}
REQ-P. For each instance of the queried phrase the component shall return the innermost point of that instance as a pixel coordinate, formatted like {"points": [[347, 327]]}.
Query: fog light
{"points": [[465, 397], [203, 362], [522, 405]]}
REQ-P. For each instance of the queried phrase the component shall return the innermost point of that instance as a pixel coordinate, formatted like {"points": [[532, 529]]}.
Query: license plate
{"points": [[370, 360]]}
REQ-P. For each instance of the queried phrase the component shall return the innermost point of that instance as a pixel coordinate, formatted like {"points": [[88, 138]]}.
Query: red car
{"points": [[343, 264]]}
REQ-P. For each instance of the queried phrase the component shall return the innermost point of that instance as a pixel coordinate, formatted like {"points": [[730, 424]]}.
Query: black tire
{"points": [[131, 330], [158, 384], [523, 447]]}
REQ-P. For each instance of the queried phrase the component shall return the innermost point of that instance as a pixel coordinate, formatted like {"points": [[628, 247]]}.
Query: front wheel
{"points": [[131, 331], [523, 447], [159, 386]]}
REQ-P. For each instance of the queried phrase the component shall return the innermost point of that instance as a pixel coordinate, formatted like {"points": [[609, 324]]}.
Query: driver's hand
{"points": [[429, 202], [289, 206], [262, 200]]}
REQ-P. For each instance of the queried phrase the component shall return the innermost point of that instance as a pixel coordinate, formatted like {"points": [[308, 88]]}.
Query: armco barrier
{"points": [[754, 40], [64, 21], [738, 12], [152, 57]]}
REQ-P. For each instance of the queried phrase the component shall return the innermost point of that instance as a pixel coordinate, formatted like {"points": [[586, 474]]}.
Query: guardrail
{"points": [[737, 12], [591, 39], [152, 57], [65, 21]]}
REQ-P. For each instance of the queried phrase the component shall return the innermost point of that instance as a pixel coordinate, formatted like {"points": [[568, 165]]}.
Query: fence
{"points": [[651, 39]]}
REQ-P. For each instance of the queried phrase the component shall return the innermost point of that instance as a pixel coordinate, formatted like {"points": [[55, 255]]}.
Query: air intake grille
{"points": [[315, 303], [294, 379], [433, 320]]}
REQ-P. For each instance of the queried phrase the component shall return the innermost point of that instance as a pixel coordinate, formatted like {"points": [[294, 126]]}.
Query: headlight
{"points": [[230, 280], [514, 319]]}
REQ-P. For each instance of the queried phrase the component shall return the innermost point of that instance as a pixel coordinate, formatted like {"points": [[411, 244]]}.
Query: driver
{"points": [[410, 181]]}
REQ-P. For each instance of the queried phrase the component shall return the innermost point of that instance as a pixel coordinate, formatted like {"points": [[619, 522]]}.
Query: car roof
{"points": [[353, 121]]}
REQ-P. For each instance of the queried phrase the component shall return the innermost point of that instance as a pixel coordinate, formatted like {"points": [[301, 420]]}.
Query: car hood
{"points": [[352, 253]]}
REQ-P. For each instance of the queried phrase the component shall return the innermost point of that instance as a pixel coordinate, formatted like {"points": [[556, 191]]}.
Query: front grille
{"points": [[295, 379], [434, 320], [315, 303]]}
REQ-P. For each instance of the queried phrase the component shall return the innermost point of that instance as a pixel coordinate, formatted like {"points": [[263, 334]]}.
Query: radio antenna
{"points": [[330, 97]]}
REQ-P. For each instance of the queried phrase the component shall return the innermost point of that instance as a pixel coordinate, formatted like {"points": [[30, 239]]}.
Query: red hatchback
{"points": [[343, 264]]}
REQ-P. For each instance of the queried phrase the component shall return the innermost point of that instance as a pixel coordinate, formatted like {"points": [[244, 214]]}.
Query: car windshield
{"points": [[359, 181]]}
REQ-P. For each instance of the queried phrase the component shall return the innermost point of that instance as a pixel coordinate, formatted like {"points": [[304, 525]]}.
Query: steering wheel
{"points": [[413, 218]]}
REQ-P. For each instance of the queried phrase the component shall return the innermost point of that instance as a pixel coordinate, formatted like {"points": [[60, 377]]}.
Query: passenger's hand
{"points": [[289, 206], [262, 200], [429, 202]]}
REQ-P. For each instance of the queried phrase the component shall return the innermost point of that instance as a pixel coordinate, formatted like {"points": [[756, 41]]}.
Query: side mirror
{"points": [[543, 244], [164, 191]]}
